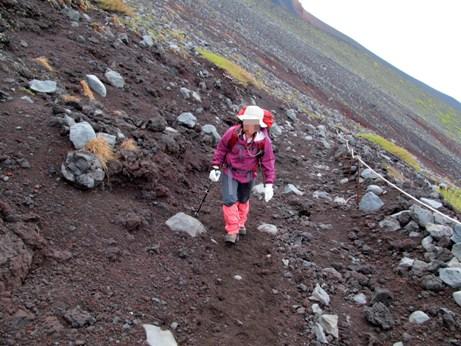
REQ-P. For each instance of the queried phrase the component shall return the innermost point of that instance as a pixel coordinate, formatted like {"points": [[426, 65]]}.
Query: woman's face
{"points": [[250, 127]]}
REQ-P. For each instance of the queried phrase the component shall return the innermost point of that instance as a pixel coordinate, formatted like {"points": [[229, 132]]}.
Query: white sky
{"points": [[420, 37]]}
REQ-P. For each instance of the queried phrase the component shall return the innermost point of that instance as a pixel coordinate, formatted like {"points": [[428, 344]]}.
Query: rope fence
{"points": [[360, 160]]}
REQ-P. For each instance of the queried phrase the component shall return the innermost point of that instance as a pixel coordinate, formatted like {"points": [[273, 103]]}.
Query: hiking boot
{"points": [[243, 231], [231, 238]]}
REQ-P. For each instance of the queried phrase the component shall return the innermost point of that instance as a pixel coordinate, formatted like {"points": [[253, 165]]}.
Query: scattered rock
{"points": [[72, 14], [370, 203], [115, 78], [439, 231], [268, 228], [147, 41], [432, 283], [209, 129], [418, 317], [156, 124], [456, 233], [382, 295], [379, 315], [421, 215], [291, 114], [434, 204], [79, 318], [81, 133], [451, 276], [158, 337], [187, 224], [43, 86], [83, 168], [377, 190], [390, 224], [368, 174], [457, 297], [330, 324], [320, 295], [406, 263], [360, 299], [320, 334], [187, 119], [290, 188], [95, 83]]}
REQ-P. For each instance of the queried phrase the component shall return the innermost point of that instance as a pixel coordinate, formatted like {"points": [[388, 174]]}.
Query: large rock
{"points": [[83, 169], [115, 78], [456, 233], [370, 203], [187, 224], [210, 130], [451, 276], [15, 259], [390, 224], [96, 85], [433, 203], [43, 86], [158, 337], [380, 315], [421, 215], [439, 231], [320, 295], [320, 334], [456, 250], [81, 133], [187, 119], [330, 324]]}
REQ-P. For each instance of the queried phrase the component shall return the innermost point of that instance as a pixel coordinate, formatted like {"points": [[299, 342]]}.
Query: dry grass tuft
{"points": [[44, 62], [129, 144], [117, 6], [86, 90], [102, 150], [70, 99]]}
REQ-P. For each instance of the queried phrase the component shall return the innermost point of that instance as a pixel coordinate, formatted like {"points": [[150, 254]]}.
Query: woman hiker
{"points": [[240, 152]]}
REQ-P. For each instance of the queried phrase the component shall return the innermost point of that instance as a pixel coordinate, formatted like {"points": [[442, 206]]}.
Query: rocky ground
{"points": [[89, 262]]}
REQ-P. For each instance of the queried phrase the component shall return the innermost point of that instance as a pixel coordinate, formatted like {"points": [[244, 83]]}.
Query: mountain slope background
{"points": [[323, 64], [91, 266]]}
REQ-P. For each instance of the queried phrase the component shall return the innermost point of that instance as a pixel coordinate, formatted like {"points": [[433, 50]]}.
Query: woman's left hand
{"points": [[268, 192]]}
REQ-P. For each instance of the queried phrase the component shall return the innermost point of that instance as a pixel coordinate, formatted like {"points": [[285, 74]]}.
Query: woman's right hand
{"points": [[215, 174]]}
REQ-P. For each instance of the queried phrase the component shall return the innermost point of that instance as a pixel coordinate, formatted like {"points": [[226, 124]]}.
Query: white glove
{"points": [[215, 174], [268, 192]]}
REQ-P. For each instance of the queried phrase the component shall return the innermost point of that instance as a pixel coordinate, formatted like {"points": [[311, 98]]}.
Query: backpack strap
{"points": [[234, 138]]}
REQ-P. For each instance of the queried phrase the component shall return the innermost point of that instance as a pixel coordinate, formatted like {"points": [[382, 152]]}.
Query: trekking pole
{"points": [[203, 199]]}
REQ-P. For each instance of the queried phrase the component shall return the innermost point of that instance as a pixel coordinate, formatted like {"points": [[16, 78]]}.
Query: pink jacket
{"points": [[241, 162]]}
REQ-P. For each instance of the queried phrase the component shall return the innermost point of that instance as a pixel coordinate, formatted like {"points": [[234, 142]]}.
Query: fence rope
{"points": [[357, 157]]}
